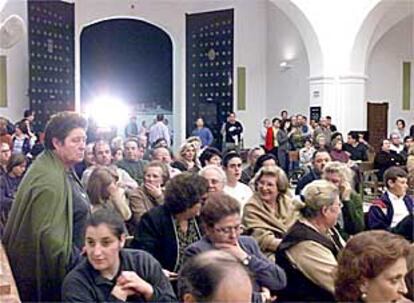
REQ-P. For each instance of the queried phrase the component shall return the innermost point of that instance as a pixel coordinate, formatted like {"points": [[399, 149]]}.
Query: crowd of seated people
{"points": [[117, 220]]}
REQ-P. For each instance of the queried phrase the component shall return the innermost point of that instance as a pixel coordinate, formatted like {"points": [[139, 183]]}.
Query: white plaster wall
{"points": [[17, 65], [384, 70], [250, 50], [287, 89]]}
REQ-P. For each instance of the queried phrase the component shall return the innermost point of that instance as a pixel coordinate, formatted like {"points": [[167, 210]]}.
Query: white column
{"points": [[342, 98]]}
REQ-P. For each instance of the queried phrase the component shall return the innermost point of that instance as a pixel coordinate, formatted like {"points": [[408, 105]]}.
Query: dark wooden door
{"points": [[209, 67], [377, 123], [52, 59]]}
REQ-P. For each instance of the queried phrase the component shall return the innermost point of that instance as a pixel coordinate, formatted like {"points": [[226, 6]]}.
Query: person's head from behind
{"points": [[264, 160], [214, 276], [371, 268], [156, 174], [184, 195], [319, 160], [104, 239], [162, 154], [100, 184], [5, 153], [321, 203], [215, 177], [65, 135], [270, 183], [210, 156], [195, 141], [102, 152], [133, 151], [160, 142], [220, 215], [395, 179], [16, 166]]}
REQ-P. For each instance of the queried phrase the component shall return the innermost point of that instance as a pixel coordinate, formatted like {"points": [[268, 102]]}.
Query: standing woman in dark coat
{"points": [[167, 230]]}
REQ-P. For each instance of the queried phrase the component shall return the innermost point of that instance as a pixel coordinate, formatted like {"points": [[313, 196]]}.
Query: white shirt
{"points": [[400, 209], [241, 192]]}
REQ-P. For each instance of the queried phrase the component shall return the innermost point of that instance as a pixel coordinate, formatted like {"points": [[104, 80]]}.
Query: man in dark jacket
{"points": [[319, 160], [221, 217], [393, 211]]}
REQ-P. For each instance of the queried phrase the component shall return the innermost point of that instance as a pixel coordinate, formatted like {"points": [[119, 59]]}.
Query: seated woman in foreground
{"points": [[270, 212], [110, 273], [372, 268], [309, 250]]}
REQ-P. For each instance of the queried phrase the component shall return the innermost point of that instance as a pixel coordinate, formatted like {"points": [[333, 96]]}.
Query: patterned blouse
{"points": [[185, 239]]}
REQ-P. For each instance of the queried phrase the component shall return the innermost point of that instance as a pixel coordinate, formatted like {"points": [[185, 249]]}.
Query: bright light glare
{"points": [[107, 111]]}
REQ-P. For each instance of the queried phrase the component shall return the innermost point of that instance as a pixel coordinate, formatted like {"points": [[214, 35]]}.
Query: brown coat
{"points": [[266, 225], [140, 201]]}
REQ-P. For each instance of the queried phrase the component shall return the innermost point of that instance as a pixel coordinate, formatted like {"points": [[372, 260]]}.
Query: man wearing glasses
{"points": [[221, 218]]}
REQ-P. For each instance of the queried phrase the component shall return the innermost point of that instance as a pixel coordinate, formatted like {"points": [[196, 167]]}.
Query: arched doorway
{"points": [[127, 61]]}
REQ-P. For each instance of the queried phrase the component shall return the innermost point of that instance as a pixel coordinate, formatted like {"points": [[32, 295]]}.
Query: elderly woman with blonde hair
{"points": [[270, 212], [351, 220], [308, 252]]}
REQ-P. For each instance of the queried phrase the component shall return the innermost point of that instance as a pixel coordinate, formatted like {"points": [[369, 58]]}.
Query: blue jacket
{"points": [[381, 212]]}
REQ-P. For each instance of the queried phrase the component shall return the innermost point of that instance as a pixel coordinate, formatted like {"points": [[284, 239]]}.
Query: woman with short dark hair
{"points": [[110, 273], [222, 225], [166, 230], [372, 268]]}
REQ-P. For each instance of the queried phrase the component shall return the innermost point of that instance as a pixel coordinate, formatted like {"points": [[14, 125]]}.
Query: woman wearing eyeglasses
{"points": [[308, 252], [270, 212], [221, 218]]}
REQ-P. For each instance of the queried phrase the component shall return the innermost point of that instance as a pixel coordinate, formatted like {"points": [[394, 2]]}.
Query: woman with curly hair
{"points": [[372, 268], [166, 230]]}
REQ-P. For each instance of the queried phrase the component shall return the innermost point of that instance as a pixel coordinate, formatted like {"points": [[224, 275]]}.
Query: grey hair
{"points": [[217, 169], [318, 194]]}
